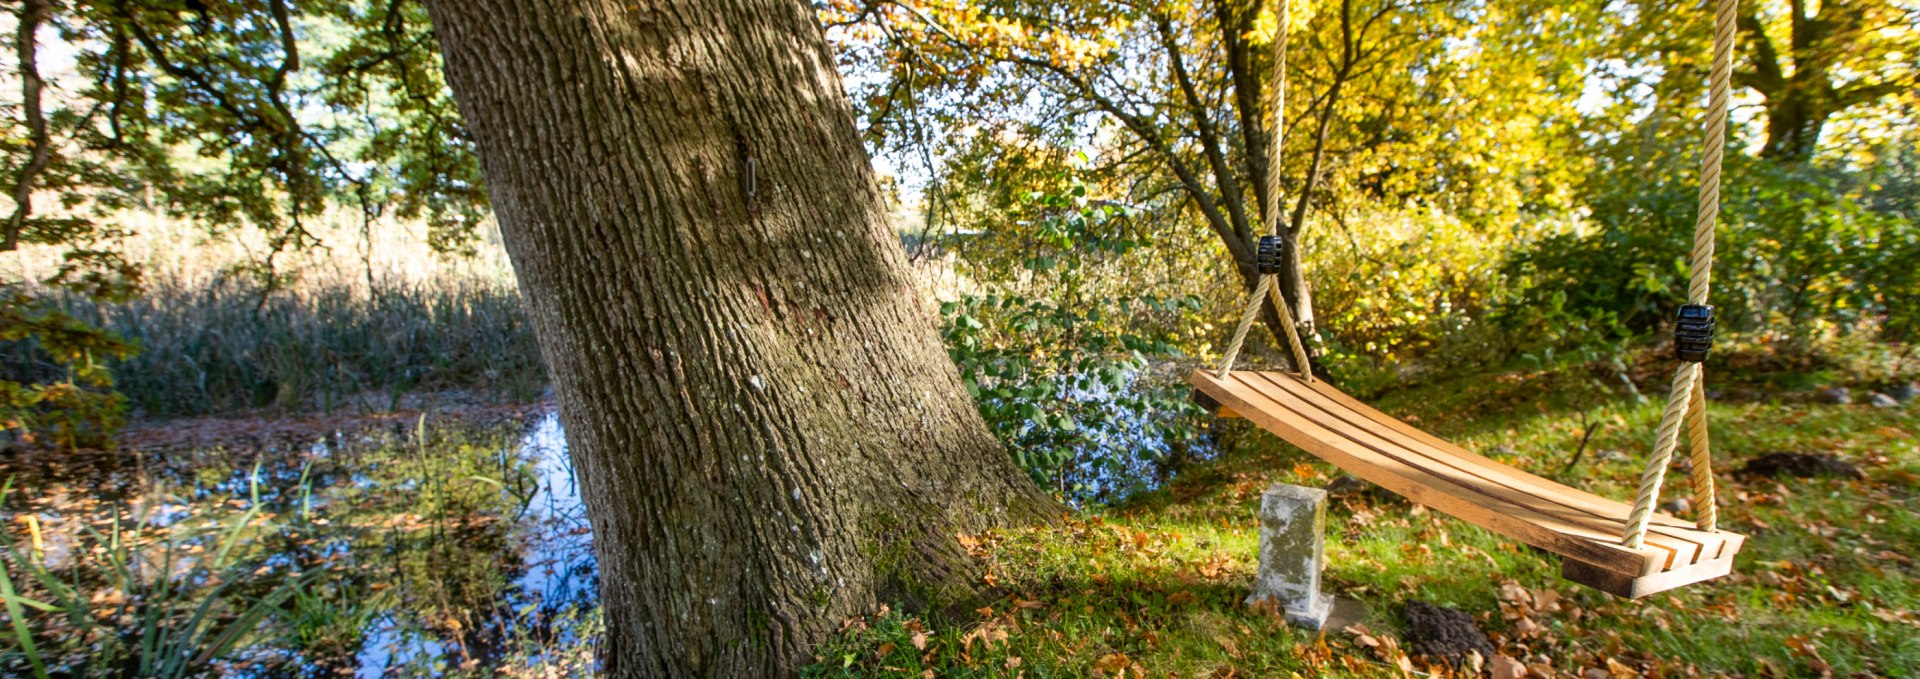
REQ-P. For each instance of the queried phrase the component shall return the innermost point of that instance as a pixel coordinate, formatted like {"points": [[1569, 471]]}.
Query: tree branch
{"points": [[1228, 186], [1248, 93], [40, 143], [1766, 76], [1341, 74]]}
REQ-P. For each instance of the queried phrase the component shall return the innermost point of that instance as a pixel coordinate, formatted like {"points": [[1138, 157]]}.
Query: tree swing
{"points": [[1626, 550]]}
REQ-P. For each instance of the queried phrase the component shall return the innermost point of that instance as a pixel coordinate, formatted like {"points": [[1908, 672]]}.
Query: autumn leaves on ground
{"points": [[1155, 586], [748, 337]]}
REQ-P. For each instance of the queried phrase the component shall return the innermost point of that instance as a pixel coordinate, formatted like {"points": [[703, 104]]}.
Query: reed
{"points": [[358, 323]]}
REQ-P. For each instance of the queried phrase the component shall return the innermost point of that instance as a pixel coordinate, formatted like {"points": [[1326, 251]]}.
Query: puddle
{"points": [[421, 548]]}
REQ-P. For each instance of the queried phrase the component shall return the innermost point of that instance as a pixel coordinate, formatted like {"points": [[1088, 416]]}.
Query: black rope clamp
{"points": [[1272, 253], [1693, 333]]}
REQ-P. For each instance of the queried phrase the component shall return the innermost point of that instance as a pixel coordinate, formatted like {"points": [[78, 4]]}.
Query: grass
{"points": [[356, 325], [1154, 586]]}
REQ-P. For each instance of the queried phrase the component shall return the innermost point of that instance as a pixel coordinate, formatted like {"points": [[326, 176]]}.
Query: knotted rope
{"points": [[1269, 284], [1688, 398]]}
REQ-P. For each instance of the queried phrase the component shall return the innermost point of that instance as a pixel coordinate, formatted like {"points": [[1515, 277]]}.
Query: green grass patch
{"points": [[1154, 586]]}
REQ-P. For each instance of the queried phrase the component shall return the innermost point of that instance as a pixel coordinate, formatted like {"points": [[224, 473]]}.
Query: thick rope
{"points": [[1277, 108], [1269, 285], [1293, 335], [1686, 380], [1246, 323], [1706, 515]]}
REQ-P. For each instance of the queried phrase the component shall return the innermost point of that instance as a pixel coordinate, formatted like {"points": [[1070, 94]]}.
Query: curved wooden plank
{"points": [[1727, 543], [1690, 545], [1502, 484], [1580, 526], [1454, 495], [1402, 427]]}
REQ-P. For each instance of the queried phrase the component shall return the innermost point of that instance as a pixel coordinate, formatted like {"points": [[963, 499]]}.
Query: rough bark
{"points": [[768, 434]]}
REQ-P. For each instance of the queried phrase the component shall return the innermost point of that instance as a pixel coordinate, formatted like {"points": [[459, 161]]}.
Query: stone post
{"points": [[1292, 549]]}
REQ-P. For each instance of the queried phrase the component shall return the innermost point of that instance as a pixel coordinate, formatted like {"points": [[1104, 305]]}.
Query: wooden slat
{"points": [[1582, 527], [1597, 503], [1442, 493], [1688, 544], [1634, 588], [1718, 544], [1483, 485]]}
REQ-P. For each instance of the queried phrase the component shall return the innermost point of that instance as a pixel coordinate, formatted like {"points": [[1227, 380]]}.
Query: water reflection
{"points": [[419, 549], [555, 582]]}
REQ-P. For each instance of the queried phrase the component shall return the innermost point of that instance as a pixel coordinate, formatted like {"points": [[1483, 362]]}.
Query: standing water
{"points": [[378, 547], [396, 547]]}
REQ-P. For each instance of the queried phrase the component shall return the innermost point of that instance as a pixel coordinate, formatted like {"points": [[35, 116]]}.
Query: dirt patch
{"points": [[1801, 465], [1444, 633]]}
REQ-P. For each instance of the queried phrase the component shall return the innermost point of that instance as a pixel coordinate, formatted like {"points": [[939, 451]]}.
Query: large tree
{"points": [[1810, 63], [768, 434], [1172, 100]]}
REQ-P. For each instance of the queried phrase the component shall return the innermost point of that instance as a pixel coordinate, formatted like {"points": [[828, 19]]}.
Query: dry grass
{"points": [[356, 323]]}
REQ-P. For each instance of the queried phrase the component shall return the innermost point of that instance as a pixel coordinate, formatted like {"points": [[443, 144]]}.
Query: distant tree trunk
{"points": [[768, 434], [1814, 78]]}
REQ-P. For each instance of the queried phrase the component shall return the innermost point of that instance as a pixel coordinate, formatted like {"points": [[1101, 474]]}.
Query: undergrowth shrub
{"points": [[54, 380], [1394, 287], [1071, 390], [1069, 299], [1801, 255]]}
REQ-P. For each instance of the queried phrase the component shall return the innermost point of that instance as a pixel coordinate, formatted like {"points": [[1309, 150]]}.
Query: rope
{"points": [[1706, 515], [1269, 284], [1687, 399], [1293, 335], [1246, 323], [1277, 108]]}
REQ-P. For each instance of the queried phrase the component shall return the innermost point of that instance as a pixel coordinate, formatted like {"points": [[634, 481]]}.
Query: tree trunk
{"points": [[1796, 114], [768, 434]]}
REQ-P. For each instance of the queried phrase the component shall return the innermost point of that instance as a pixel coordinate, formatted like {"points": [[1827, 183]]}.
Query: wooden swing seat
{"points": [[1583, 528]]}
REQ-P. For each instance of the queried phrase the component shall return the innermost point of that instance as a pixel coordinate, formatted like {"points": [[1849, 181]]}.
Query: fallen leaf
{"points": [[1525, 627], [1504, 667], [1112, 663], [1620, 670], [1546, 600], [1515, 593]]}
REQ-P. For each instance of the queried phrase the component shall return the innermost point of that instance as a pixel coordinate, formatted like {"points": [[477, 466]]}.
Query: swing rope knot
{"points": [[1272, 253], [1693, 333]]}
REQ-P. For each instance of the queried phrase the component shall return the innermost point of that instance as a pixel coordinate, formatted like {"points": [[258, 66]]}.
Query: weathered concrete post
{"points": [[1293, 523]]}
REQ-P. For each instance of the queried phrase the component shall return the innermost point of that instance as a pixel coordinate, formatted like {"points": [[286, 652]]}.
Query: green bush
{"points": [[1071, 392], [1801, 254], [54, 379], [1056, 335]]}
